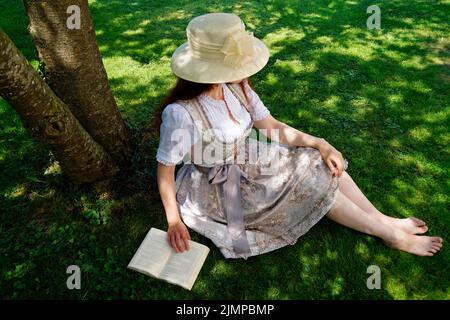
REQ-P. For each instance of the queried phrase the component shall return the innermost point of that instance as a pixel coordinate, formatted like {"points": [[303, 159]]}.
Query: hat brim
{"points": [[188, 67]]}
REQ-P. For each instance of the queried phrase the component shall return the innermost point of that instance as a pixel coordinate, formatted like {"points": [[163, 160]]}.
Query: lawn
{"points": [[380, 96]]}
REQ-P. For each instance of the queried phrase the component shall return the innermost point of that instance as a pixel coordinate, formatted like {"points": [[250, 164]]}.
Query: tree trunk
{"points": [[75, 71], [48, 119]]}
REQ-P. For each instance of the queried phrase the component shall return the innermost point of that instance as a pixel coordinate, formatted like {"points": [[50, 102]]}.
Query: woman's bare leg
{"points": [[347, 213], [349, 188]]}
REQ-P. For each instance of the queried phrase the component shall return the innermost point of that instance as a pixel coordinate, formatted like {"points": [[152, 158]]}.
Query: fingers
{"points": [[186, 239], [180, 241], [186, 242], [183, 242], [180, 245], [330, 165], [340, 166], [173, 243], [336, 165]]}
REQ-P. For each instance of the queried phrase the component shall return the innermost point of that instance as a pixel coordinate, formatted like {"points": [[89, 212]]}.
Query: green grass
{"points": [[381, 97]]}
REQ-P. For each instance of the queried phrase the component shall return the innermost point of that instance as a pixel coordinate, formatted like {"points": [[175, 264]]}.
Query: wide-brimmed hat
{"points": [[218, 50]]}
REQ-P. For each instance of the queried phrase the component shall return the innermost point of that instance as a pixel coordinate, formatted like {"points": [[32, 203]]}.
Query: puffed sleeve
{"points": [[177, 135], [259, 111]]}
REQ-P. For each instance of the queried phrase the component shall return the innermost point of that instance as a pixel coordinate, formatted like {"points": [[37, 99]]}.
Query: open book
{"points": [[155, 257]]}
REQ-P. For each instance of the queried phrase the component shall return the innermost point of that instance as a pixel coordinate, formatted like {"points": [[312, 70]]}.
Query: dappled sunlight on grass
{"points": [[419, 133], [396, 288], [336, 285], [331, 102], [221, 269], [137, 86], [383, 259], [273, 293], [290, 66], [277, 40], [362, 249]]}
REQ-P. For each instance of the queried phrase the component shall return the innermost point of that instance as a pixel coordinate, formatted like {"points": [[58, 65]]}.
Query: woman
{"points": [[247, 196]]}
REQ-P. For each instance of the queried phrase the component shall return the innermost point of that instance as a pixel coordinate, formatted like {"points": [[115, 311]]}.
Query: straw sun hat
{"points": [[218, 50]]}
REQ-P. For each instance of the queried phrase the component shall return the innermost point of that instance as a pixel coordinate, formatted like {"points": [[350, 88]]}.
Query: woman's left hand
{"points": [[333, 158]]}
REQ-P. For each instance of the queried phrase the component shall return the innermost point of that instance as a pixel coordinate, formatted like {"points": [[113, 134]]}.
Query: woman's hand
{"points": [[178, 236], [332, 158]]}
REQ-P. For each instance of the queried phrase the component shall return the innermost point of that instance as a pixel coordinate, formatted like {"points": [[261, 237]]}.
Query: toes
{"points": [[437, 245], [418, 222], [422, 229], [437, 239]]}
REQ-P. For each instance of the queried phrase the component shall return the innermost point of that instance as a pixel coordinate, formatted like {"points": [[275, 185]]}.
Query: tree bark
{"points": [[75, 71], [49, 120]]}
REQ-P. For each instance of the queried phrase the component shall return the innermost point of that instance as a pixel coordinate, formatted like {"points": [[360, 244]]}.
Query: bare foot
{"points": [[418, 245], [411, 225]]}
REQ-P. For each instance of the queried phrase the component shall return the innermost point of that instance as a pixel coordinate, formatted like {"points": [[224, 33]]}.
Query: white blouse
{"points": [[175, 144]]}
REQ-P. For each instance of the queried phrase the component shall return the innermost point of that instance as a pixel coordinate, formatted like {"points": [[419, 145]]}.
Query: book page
{"points": [[153, 253], [183, 268]]}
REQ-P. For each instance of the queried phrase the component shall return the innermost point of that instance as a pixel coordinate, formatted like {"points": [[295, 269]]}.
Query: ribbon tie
{"points": [[229, 176]]}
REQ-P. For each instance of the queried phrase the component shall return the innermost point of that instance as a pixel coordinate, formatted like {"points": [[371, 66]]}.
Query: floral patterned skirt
{"points": [[288, 190]]}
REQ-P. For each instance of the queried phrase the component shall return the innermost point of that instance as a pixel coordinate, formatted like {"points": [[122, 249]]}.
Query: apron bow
{"points": [[229, 177]]}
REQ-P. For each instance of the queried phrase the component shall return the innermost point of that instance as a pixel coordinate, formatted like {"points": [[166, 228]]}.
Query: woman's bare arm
{"points": [[283, 133], [177, 231]]}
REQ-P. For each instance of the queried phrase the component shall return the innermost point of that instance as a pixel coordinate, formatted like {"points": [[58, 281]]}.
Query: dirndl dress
{"points": [[285, 192]]}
